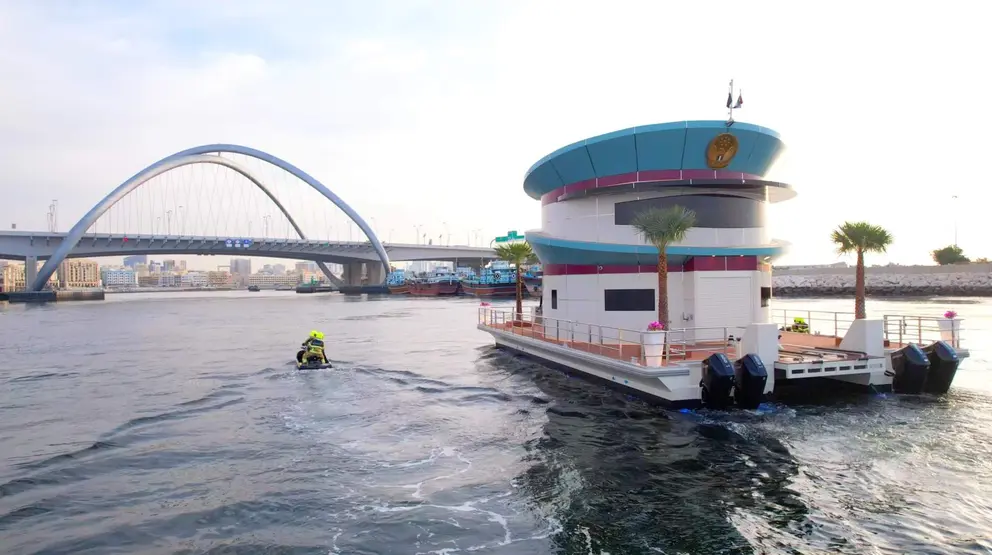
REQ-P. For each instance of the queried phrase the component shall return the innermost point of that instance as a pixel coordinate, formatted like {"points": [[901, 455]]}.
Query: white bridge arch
{"points": [[202, 155]]}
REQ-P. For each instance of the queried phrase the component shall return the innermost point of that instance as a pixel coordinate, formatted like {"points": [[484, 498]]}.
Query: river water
{"points": [[176, 423]]}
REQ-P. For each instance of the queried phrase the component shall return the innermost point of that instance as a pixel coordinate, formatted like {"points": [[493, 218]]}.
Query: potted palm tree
{"points": [[519, 254], [661, 227], [860, 238]]}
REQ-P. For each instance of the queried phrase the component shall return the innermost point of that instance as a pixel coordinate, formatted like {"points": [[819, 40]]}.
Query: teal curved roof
{"points": [[551, 250], [664, 146]]}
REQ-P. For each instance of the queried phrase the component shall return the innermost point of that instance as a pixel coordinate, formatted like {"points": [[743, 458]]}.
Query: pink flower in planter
{"points": [[483, 303], [950, 315], [656, 326]]}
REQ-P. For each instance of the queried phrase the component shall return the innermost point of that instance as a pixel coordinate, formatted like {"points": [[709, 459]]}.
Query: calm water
{"points": [[175, 423]]}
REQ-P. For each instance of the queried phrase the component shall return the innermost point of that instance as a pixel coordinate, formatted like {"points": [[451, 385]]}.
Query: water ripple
{"points": [[425, 439]]}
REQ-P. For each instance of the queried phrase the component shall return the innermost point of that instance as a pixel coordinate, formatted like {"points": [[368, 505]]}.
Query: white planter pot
{"points": [[654, 347], [950, 330]]}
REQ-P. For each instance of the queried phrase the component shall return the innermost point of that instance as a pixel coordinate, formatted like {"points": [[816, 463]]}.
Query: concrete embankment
{"points": [[965, 280]]}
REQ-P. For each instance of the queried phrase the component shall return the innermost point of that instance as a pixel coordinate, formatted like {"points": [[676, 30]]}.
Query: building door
{"points": [[723, 302]]}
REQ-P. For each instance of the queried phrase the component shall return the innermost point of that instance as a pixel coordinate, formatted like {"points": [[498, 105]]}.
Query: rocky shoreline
{"points": [[899, 281], [795, 292]]}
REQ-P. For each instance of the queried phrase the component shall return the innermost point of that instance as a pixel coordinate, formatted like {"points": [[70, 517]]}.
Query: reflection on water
{"points": [[177, 423]]}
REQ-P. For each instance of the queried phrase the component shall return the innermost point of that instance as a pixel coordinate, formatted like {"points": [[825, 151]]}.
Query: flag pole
{"points": [[730, 105]]}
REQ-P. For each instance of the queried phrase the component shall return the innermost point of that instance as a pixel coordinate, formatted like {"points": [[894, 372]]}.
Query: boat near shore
{"points": [[744, 366], [724, 346], [442, 283]]}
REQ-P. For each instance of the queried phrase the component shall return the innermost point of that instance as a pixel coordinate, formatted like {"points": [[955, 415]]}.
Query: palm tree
{"points": [[662, 227], [860, 237], [518, 254]]}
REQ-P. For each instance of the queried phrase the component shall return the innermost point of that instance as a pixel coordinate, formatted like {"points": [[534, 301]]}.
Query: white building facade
{"points": [[118, 277], [597, 267]]}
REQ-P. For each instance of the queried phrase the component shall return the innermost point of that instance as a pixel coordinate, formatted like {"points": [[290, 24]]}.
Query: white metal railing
{"points": [[896, 328], [922, 330], [617, 343], [820, 322]]}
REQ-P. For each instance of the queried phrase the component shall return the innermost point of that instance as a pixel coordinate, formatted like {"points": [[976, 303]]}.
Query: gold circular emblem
{"points": [[721, 151]]}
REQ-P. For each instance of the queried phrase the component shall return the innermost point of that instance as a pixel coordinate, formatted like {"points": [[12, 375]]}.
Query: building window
{"points": [[712, 210], [630, 300], [554, 299], [766, 296]]}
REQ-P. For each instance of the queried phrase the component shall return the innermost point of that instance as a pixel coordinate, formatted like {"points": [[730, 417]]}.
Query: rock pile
{"points": [[885, 285]]}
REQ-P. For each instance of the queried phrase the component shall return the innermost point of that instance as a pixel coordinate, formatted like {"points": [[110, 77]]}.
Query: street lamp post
{"points": [[955, 209], [265, 220], [182, 220], [168, 222]]}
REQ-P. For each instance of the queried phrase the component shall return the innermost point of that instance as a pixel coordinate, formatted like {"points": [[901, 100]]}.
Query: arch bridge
{"points": [[55, 248]]}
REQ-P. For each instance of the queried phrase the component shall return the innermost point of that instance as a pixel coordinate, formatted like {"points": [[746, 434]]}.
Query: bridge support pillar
{"points": [[353, 273], [30, 271], [373, 273]]}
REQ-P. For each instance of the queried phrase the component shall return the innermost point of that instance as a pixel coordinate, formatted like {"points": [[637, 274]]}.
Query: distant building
{"points": [[141, 270], [194, 279], [241, 266], [154, 267], [169, 280], [274, 269], [305, 266], [219, 278], [118, 277], [12, 277], [148, 280], [133, 261], [79, 273], [273, 280], [310, 277], [173, 265]]}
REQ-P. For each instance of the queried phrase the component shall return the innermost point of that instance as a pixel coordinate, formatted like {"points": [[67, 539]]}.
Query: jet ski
{"points": [[311, 364]]}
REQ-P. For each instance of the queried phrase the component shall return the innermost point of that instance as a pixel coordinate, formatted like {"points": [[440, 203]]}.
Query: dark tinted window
{"points": [[719, 211], [554, 299], [766, 296], [629, 300]]}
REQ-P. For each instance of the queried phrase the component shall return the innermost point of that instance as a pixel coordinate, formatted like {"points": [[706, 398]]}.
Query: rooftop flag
{"points": [[730, 103]]}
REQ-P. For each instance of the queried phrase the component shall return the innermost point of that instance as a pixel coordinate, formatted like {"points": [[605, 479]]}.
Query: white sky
{"points": [[418, 112]]}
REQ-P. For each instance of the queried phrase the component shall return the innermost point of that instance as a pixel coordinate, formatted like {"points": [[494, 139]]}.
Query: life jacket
{"points": [[315, 346]]}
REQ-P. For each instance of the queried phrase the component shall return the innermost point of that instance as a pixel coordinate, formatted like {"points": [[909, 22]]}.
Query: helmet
{"points": [[315, 334]]}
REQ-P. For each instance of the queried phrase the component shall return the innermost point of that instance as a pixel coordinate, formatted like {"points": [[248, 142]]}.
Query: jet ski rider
{"points": [[313, 348]]}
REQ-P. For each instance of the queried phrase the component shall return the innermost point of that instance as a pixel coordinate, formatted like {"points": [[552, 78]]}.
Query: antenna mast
{"points": [[731, 105]]}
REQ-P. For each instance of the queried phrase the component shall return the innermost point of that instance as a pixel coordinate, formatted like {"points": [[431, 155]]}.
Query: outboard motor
{"points": [[911, 366], [750, 376], [944, 363], [718, 381]]}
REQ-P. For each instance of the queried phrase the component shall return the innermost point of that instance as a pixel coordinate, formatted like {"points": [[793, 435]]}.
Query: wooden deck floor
{"points": [[627, 352], [796, 347]]}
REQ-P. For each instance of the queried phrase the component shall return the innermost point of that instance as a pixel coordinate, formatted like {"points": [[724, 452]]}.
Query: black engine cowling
{"points": [[718, 381], [750, 376], [944, 363], [911, 366]]}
